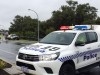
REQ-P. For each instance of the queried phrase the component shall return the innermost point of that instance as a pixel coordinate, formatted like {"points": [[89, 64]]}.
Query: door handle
{"points": [[77, 51], [89, 48], [98, 45]]}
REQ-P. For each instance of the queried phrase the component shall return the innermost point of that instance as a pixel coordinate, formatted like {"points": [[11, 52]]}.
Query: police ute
{"points": [[65, 52]]}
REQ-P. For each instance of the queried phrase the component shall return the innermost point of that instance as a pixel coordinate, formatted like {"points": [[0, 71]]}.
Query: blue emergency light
{"points": [[82, 27]]}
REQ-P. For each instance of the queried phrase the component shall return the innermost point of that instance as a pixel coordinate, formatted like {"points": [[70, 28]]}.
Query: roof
{"points": [[75, 31]]}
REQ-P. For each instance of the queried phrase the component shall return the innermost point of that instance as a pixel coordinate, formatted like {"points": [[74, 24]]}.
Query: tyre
{"points": [[67, 69]]}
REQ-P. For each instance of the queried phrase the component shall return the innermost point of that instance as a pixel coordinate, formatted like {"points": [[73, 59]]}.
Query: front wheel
{"points": [[67, 69]]}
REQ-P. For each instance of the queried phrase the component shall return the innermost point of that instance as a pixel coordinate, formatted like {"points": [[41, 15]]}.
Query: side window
{"points": [[92, 37], [82, 38]]}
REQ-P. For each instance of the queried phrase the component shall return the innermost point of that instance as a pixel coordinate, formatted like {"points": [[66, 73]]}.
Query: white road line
{"points": [[7, 52]]}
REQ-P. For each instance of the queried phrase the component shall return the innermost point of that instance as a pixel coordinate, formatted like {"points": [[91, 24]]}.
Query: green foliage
{"points": [[85, 14], [74, 13], [25, 26], [49, 30], [2, 64], [70, 14], [98, 21]]}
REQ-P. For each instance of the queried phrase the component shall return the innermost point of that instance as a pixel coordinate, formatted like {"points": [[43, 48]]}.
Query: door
{"points": [[86, 49], [95, 45]]}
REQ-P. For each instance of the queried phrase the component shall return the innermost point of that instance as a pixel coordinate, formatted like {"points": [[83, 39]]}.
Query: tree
{"points": [[85, 14], [98, 21], [72, 14], [25, 27]]}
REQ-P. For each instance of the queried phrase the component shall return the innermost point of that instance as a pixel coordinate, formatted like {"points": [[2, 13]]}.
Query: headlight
{"points": [[49, 57]]}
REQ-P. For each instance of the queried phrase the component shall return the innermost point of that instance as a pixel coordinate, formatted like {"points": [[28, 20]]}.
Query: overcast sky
{"points": [[10, 8]]}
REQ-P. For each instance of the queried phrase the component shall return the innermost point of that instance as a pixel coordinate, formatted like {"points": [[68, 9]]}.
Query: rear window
{"points": [[92, 37]]}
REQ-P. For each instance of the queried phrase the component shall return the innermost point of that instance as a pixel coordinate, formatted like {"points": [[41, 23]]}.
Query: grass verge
{"points": [[4, 64]]}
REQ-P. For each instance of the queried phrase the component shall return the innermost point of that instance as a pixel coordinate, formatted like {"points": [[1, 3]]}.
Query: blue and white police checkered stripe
{"points": [[71, 57]]}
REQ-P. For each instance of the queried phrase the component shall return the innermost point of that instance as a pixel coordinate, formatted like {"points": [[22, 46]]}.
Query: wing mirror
{"points": [[79, 43]]}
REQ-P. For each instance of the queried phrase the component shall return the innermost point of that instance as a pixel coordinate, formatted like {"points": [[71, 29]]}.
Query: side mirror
{"points": [[79, 43]]}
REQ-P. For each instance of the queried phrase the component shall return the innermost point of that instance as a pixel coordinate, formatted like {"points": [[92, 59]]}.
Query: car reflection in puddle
{"points": [[22, 44], [94, 71]]}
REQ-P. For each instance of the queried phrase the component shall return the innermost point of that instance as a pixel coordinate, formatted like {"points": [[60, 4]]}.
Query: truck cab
{"points": [[61, 52]]}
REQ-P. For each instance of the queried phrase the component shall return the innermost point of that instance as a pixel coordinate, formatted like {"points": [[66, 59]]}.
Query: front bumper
{"points": [[40, 67]]}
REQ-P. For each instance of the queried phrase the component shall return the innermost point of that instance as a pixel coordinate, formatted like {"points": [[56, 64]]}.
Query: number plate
{"points": [[24, 69]]}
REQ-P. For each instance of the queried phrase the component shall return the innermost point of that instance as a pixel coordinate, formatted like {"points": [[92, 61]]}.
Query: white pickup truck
{"points": [[62, 52]]}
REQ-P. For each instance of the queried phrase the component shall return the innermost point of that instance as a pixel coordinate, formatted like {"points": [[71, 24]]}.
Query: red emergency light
{"points": [[65, 27]]}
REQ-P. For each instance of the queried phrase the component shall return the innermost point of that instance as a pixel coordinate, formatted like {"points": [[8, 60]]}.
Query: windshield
{"points": [[62, 38]]}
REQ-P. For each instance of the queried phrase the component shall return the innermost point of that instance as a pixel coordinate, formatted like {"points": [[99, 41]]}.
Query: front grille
{"points": [[25, 65], [28, 57]]}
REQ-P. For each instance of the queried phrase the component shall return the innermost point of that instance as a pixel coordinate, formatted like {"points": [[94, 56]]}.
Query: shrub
{"points": [[2, 64]]}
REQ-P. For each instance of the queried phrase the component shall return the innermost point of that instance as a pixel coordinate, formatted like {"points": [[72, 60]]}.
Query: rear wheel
{"points": [[67, 69]]}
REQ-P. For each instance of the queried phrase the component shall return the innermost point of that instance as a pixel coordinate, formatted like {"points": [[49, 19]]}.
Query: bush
{"points": [[2, 64]]}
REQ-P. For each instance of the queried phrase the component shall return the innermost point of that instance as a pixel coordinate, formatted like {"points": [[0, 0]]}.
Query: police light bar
{"points": [[83, 27], [66, 27]]}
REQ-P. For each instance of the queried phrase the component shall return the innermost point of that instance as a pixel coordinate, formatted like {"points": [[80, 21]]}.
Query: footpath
{"points": [[11, 70]]}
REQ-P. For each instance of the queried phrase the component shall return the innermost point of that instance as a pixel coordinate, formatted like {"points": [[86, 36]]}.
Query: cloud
{"points": [[10, 8]]}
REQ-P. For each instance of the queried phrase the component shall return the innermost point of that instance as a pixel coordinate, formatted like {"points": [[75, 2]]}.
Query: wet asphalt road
{"points": [[9, 50]]}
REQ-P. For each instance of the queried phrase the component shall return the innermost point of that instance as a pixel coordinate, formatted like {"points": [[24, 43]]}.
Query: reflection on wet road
{"points": [[9, 50], [94, 71]]}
